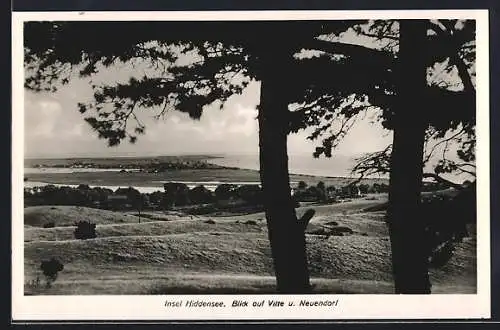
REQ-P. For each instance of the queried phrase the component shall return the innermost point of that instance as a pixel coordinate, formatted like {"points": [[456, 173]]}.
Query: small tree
{"points": [[84, 187], [85, 230], [331, 192], [200, 195], [321, 191], [302, 185], [251, 194], [176, 193], [363, 188], [224, 191], [50, 269], [312, 192]]}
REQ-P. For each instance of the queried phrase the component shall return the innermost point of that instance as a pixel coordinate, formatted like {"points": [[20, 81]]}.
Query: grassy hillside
{"points": [[170, 253], [153, 228], [62, 216]]}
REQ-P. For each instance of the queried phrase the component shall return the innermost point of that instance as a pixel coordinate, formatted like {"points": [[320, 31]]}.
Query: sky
{"points": [[55, 128]]}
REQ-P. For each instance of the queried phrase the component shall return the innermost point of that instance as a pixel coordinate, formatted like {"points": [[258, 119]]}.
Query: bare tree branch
{"points": [[445, 141]]}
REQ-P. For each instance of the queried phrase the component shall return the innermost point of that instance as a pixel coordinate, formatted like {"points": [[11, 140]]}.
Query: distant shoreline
{"points": [[123, 176], [80, 157]]}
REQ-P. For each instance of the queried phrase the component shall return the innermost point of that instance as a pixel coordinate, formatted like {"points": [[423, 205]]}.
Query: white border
{"points": [[350, 306]]}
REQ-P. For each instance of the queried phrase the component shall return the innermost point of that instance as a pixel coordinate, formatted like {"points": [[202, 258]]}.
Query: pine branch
{"points": [[352, 50]]}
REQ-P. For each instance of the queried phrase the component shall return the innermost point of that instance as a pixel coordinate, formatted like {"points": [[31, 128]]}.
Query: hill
{"points": [[171, 253], [63, 216]]}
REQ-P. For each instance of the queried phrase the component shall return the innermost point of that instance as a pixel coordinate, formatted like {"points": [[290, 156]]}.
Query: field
{"points": [[175, 253]]}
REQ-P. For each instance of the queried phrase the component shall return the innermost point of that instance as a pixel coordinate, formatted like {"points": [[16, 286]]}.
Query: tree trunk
{"points": [[406, 228], [286, 234]]}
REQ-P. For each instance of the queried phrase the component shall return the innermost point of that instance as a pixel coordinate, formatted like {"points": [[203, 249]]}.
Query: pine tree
{"points": [[228, 55], [337, 85]]}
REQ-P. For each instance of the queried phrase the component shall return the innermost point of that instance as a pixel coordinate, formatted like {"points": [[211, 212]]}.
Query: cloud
{"points": [[244, 122], [366, 135], [41, 117], [51, 119]]}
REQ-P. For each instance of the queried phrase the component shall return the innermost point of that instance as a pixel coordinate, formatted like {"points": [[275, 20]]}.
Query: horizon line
{"points": [[151, 155]]}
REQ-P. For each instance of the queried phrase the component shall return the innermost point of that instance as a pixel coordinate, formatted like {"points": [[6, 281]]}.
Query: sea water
{"points": [[337, 166]]}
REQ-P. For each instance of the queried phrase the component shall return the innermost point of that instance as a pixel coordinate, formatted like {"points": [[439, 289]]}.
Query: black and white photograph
{"points": [[254, 158]]}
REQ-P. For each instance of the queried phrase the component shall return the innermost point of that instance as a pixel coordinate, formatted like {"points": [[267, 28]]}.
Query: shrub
{"points": [[50, 224], [85, 230], [176, 194], [320, 231], [342, 230], [302, 185], [363, 188], [200, 195], [332, 231], [50, 269], [225, 191], [310, 194], [321, 191], [251, 194]]}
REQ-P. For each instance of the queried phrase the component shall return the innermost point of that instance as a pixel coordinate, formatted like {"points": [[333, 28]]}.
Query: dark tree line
{"points": [[173, 195], [322, 193]]}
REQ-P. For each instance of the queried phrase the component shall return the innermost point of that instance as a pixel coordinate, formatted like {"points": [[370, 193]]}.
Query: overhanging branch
{"points": [[349, 50]]}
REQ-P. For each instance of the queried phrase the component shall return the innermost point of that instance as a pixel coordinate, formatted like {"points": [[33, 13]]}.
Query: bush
{"points": [[251, 194], [50, 269], [85, 230], [332, 231], [225, 191], [321, 191], [176, 194], [200, 195], [364, 188], [320, 231], [341, 230], [50, 224], [302, 185], [251, 222], [310, 194]]}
